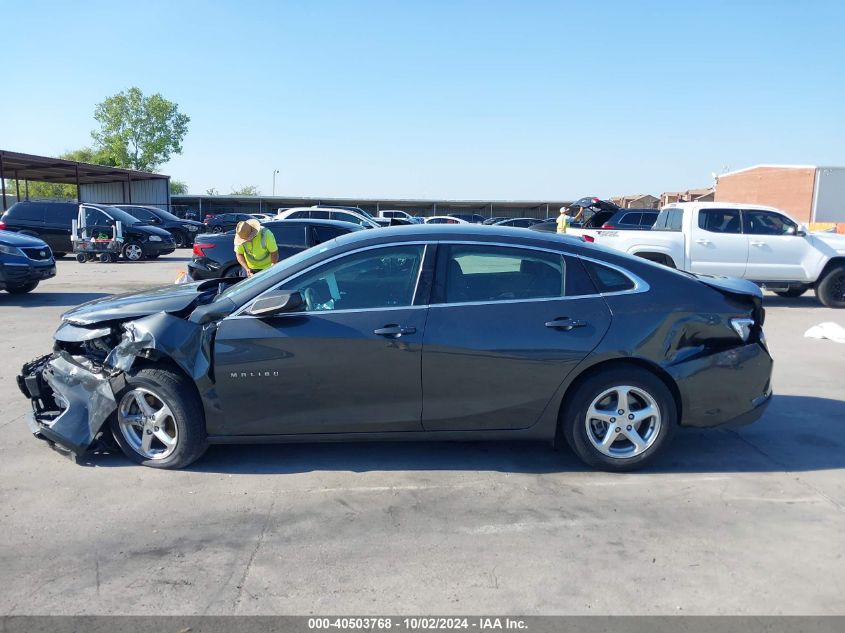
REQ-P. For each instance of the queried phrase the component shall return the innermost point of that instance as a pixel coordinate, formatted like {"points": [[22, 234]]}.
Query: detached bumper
{"points": [[732, 387], [71, 400]]}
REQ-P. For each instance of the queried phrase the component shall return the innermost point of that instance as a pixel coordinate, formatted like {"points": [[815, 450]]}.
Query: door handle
{"points": [[394, 331], [565, 323], [758, 243], [702, 241]]}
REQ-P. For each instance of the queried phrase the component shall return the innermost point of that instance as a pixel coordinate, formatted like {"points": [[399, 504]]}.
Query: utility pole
{"points": [[275, 171]]}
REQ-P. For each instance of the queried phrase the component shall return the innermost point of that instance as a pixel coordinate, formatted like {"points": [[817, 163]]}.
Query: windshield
{"points": [[166, 215], [119, 215]]}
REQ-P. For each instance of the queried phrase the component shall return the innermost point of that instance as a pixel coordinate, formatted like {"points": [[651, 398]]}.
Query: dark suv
{"points": [[214, 255], [183, 231], [631, 220], [51, 221]]}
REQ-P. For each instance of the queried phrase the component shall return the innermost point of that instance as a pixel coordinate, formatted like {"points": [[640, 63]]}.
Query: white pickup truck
{"points": [[758, 243]]}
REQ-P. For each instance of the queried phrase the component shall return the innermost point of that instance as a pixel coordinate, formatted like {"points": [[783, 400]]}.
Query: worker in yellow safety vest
{"points": [[563, 220], [255, 247]]}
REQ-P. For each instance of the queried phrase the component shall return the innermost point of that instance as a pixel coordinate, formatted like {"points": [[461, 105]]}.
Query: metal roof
{"points": [[16, 166]]}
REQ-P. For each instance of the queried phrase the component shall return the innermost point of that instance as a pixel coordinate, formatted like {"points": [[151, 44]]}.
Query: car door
{"points": [[290, 239], [505, 327], [349, 361], [775, 252], [717, 245]]}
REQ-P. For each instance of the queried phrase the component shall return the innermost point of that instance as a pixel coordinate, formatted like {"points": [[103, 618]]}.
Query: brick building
{"points": [[806, 192]]}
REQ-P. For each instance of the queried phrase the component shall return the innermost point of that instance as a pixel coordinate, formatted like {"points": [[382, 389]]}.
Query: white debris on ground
{"points": [[828, 330]]}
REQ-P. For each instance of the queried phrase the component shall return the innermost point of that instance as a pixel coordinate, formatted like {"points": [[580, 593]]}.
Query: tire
{"points": [[181, 420], [217, 229], [831, 289], [81, 258], [180, 238], [234, 271], [791, 293], [133, 251], [22, 290], [600, 394]]}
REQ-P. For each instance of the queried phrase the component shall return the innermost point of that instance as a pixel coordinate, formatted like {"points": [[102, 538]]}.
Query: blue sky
{"points": [[501, 100]]}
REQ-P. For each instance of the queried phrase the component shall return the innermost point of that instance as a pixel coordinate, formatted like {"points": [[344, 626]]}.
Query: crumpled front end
{"points": [[72, 397]]}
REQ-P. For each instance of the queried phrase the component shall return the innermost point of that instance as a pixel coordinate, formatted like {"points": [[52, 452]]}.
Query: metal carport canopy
{"points": [[29, 167]]}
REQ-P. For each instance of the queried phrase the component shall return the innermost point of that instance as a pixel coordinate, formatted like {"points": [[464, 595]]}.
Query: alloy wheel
{"points": [[147, 424], [623, 421], [133, 252]]}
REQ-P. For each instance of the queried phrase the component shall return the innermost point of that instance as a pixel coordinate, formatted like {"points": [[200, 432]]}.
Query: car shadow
{"points": [[794, 435], [808, 300], [39, 299]]}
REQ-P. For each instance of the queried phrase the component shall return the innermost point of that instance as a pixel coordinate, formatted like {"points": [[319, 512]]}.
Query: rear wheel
{"points": [[831, 289], [234, 271], [22, 290], [620, 419], [159, 420], [217, 229]]}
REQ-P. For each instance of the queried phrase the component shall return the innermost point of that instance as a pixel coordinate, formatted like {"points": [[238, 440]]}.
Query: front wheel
{"points": [[22, 290], [180, 239], [217, 229], [831, 289], [620, 419], [133, 252], [159, 420]]}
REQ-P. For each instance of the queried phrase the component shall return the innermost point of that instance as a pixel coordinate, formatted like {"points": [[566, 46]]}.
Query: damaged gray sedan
{"points": [[419, 332]]}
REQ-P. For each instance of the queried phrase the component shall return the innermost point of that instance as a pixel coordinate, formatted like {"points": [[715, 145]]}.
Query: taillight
{"points": [[200, 247], [607, 226], [588, 238], [2, 225]]}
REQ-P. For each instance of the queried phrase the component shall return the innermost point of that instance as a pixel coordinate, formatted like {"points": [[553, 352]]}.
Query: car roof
{"points": [[722, 205], [316, 222]]}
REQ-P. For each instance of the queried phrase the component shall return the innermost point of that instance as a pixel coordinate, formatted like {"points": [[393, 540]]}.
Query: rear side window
{"points": [[346, 217], [326, 233], [290, 235], [319, 214], [631, 218], [648, 219], [296, 215], [32, 212], [608, 279], [477, 273], [720, 220]]}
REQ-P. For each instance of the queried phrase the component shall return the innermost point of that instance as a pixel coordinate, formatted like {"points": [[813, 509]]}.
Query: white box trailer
{"points": [[829, 195]]}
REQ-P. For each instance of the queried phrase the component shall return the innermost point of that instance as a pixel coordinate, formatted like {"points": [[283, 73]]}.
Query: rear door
{"points": [[717, 245], [505, 327], [290, 239]]}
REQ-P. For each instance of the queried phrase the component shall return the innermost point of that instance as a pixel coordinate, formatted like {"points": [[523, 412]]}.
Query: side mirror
{"points": [[801, 231], [276, 302]]}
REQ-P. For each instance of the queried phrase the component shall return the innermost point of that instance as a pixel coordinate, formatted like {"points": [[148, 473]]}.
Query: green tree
{"points": [[177, 187], [247, 190], [139, 132]]}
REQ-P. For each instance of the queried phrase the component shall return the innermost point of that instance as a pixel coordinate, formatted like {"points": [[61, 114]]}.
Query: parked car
{"points": [[24, 262], [758, 243], [393, 214], [263, 217], [527, 336], [183, 231], [444, 219], [547, 226], [631, 220], [519, 222], [223, 222], [214, 255], [328, 213], [495, 219], [471, 218], [51, 222]]}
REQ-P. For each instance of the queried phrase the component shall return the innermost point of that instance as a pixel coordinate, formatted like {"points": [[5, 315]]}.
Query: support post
{"points": [[128, 189], [78, 191], [17, 186], [2, 182]]}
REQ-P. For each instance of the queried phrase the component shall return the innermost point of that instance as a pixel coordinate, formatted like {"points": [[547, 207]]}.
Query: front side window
{"points": [[95, 217], [720, 220], [375, 278], [289, 235], [317, 214], [347, 217], [141, 214], [767, 223], [474, 273]]}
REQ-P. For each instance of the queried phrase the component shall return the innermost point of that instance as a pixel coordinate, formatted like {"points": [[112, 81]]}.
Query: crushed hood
{"points": [[124, 307]]}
